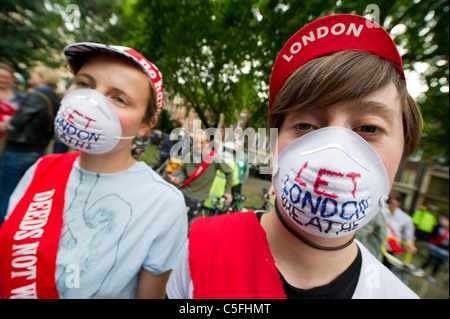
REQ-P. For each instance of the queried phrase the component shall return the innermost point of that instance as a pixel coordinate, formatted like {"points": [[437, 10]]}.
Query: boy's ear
{"points": [[147, 127], [153, 121]]}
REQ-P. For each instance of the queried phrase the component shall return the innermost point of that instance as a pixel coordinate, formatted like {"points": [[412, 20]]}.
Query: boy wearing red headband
{"points": [[94, 223], [345, 122]]}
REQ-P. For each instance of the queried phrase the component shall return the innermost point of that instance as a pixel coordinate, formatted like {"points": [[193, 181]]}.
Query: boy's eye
{"points": [[304, 126], [83, 84], [369, 129], [120, 100]]}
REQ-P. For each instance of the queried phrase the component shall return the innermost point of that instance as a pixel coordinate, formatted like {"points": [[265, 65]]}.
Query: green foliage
{"points": [[218, 54], [165, 123], [201, 47], [33, 31], [25, 35]]}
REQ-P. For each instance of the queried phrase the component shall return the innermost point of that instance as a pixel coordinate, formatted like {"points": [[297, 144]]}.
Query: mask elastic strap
{"points": [[124, 137], [306, 241]]}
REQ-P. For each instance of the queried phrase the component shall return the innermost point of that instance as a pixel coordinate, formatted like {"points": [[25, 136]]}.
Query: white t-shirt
{"points": [[401, 223], [114, 224], [375, 280]]}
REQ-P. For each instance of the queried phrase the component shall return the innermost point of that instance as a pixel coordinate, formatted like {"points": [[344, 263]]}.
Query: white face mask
{"points": [[330, 182], [86, 121]]}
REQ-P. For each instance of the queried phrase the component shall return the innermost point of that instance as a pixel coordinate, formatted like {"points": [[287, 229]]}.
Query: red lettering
{"points": [[298, 175], [320, 181], [71, 116], [63, 112], [89, 120], [353, 176]]}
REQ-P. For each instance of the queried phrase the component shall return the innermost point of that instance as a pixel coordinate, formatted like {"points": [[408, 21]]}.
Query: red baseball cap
{"points": [[73, 50], [332, 34]]}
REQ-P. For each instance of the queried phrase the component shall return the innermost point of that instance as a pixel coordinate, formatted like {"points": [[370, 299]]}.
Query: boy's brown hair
{"points": [[343, 76]]}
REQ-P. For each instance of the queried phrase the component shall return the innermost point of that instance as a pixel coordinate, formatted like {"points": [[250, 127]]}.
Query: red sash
{"points": [[5, 109], [394, 244], [230, 258], [29, 238], [440, 239], [199, 170]]}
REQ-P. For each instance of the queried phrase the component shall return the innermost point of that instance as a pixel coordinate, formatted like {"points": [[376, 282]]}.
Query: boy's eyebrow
{"points": [[373, 106], [86, 75]]}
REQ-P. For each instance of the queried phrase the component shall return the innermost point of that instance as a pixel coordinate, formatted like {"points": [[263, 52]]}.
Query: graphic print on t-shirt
{"points": [[90, 239]]}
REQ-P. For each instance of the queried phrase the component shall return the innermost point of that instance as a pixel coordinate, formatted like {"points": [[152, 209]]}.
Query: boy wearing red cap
{"points": [[345, 122], [94, 223]]}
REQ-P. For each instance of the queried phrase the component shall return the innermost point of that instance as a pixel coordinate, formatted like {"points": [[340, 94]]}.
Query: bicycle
{"points": [[236, 205], [411, 275], [219, 206]]}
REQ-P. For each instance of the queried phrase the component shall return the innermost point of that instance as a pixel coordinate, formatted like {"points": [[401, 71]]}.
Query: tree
{"points": [[219, 54], [35, 31], [205, 49], [25, 35]]}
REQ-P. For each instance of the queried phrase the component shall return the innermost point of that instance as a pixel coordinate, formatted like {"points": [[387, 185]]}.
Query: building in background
{"points": [[423, 183]]}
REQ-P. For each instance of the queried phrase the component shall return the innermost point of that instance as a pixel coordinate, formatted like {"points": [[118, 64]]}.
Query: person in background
{"points": [[139, 146], [164, 147], [164, 144], [10, 99], [242, 164], [425, 221], [9, 93], [29, 132], [437, 248], [229, 155], [401, 228], [198, 173]]}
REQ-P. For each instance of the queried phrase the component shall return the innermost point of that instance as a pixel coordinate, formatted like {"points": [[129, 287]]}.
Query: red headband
{"points": [[332, 34]]}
